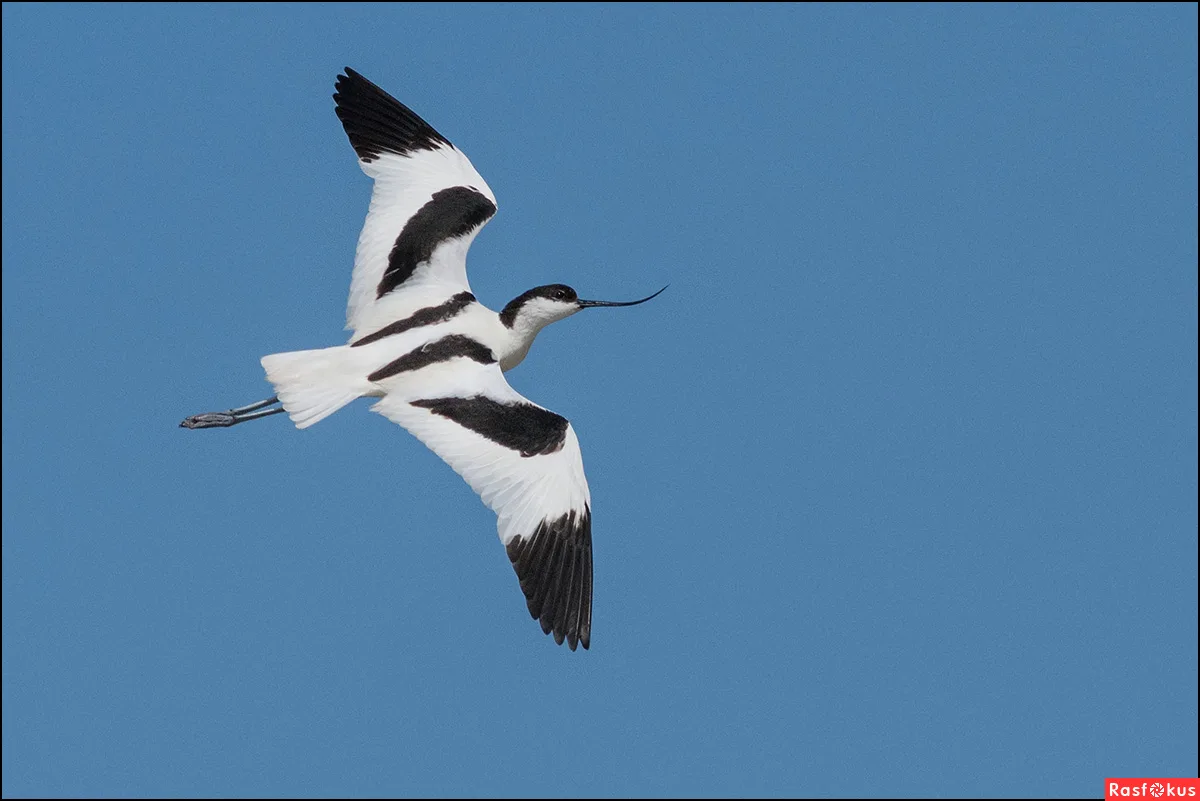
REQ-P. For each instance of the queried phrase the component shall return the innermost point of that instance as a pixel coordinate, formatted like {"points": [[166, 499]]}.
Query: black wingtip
{"points": [[377, 123], [554, 567]]}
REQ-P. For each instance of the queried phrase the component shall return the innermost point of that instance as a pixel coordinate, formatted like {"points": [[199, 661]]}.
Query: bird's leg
{"points": [[233, 416]]}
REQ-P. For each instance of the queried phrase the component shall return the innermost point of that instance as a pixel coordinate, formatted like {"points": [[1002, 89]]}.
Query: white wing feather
{"points": [[522, 490], [542, 504], [410, 162], [403, 184]]}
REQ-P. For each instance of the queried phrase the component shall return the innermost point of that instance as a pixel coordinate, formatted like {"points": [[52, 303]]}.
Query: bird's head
{"points": [[540, 306]]}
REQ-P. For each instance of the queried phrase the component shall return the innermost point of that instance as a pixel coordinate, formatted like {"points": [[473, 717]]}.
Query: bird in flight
{"points": [[435, 357]]}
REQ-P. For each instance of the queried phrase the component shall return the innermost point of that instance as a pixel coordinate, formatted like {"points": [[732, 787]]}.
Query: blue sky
{"points": [[894, 489]]}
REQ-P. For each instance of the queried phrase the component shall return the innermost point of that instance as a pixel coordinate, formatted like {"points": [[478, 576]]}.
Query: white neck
{"points": [[519, 339], [532, 318]]}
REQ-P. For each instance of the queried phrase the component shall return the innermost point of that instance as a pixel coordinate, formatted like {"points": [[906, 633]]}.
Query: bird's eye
{"points": [[560, 294]]}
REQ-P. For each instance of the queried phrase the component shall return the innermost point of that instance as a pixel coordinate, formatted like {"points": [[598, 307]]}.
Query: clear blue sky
{"points": [[894, 488]]}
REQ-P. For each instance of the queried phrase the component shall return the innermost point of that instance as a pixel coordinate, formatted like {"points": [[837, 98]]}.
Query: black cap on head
{"points": [[562, 294]]}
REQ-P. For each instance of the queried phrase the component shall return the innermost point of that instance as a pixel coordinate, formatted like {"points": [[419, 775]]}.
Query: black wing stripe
{"points": [[442, 350], [543, 554], [430, 315], [378, 123], [544, 580], [554, 567], [523, 427], [450, 213], [566, 582], [575, 604], [585, 623]]}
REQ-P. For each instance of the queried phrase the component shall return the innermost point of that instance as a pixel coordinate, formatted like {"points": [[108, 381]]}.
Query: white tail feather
{"points": [[313, 384]]}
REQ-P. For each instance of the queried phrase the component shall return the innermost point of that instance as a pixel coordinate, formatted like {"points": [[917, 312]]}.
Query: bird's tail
{"points": [[313, 384]]}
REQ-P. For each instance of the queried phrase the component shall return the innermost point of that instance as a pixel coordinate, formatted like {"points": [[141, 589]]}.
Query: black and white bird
{"points": [[435, 357]]}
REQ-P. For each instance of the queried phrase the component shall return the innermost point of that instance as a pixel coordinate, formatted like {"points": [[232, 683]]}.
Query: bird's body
{"points": [[434, 356]]}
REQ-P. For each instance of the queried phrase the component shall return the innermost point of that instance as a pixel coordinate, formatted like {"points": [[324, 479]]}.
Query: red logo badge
{"points": [[1152, 789]]}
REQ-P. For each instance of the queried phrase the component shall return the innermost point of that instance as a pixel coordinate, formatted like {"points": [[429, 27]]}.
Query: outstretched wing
{"points": [[522, 459], [427, 206]]}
